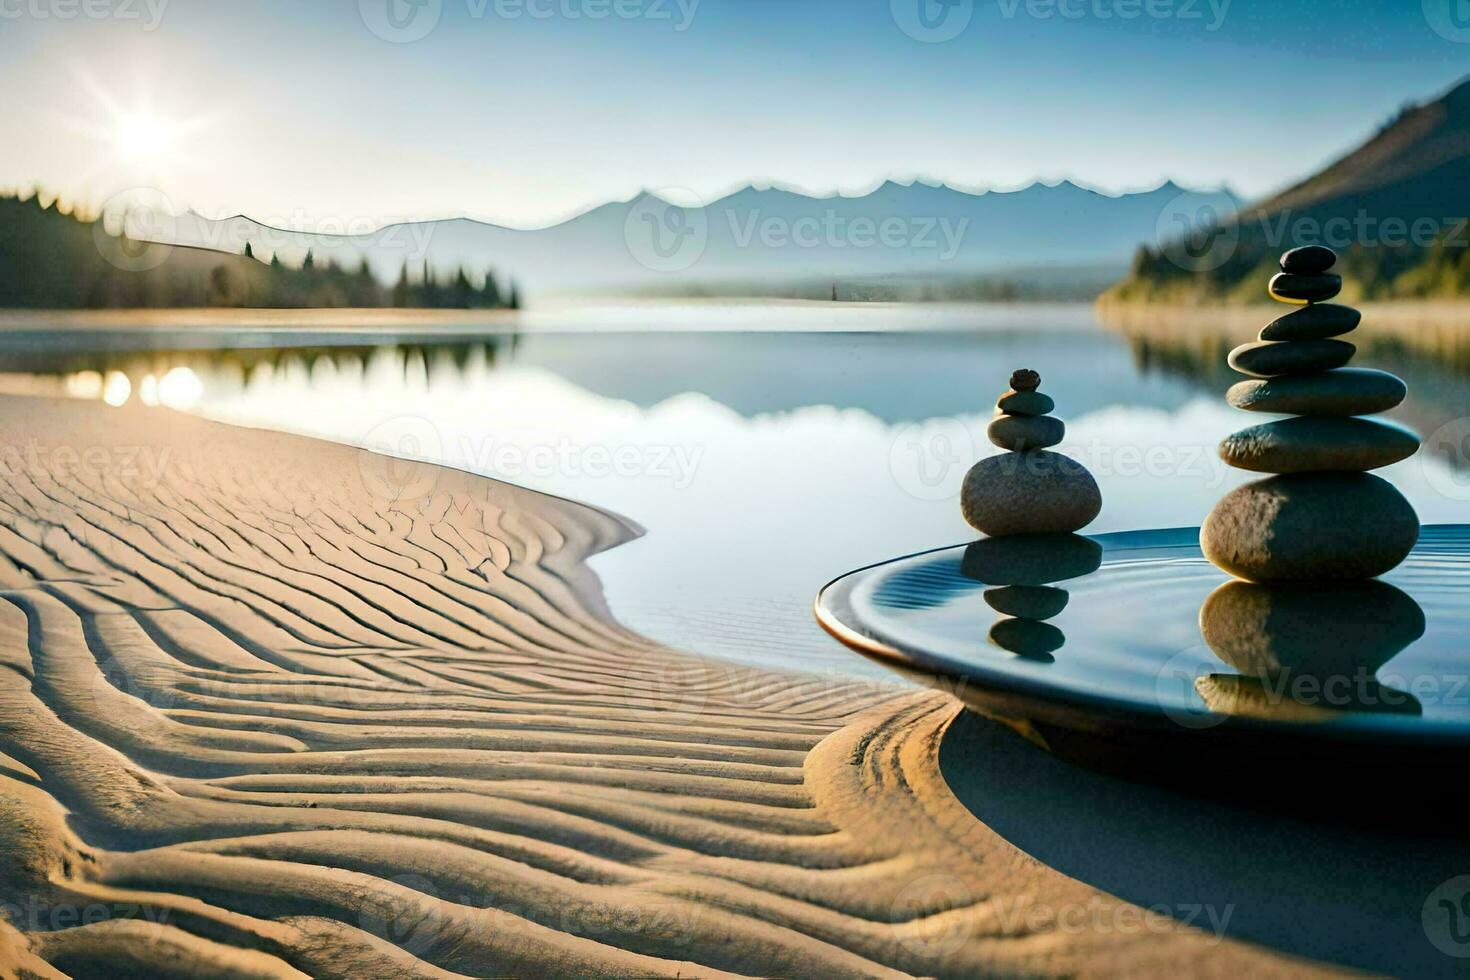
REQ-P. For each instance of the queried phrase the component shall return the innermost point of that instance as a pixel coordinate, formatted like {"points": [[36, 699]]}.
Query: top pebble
{"points": [[1309, 260]]}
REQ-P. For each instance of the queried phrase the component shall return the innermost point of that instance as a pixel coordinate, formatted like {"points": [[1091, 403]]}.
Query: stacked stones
{"points": [[1325, 518], [1028, 490]]}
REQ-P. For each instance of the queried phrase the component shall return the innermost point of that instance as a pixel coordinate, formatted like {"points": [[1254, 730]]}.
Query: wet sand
{"points": [[277, 707]]}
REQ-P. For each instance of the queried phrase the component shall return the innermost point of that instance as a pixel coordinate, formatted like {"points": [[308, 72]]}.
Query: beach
{"points": [[271, 706]]}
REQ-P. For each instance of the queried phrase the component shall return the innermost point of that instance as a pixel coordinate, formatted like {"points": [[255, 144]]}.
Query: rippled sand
{"points": [[275, 707]]}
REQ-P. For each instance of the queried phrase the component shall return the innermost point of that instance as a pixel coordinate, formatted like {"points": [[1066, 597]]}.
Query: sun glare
{"points": [[141, 136]]}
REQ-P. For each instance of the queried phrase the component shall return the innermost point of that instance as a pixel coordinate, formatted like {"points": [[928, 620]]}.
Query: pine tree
{"points": [[249, 252], [462, 294], [490, 295], [401, 289], [309, 262]]}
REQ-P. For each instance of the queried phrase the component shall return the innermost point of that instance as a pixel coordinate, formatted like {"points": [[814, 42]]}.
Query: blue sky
{"points": [[528, 110]]}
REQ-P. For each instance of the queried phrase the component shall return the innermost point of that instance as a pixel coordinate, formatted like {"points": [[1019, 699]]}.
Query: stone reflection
{"points": [[1307, 652], [1020, 571]]}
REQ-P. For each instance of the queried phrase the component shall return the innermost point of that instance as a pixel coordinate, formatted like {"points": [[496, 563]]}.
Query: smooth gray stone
{"points": [[1309, 260], [1316, 322], [1272, 631], [1317, 445], [1031, 559], [1035, 492], [1019, 432], [1028, 638], [1027, 601], [1311, 527], [1029, 403], [1305, 289], [1269, 360], [1345, 391]]}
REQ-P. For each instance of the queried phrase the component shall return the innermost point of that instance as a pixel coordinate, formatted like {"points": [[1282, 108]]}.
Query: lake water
{"points": [[769, 455]]}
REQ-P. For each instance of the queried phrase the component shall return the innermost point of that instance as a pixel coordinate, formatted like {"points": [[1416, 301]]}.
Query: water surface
{"points": [[762, 462]]}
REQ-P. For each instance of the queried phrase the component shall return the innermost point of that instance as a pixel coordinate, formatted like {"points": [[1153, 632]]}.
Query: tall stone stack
{"points": [[1323, 517]]}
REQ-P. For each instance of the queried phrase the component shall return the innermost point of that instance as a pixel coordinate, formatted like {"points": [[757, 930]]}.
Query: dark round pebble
{"points": [[1028, 601], [1289, 288], [1031, 403], [1019, 433], [1309, 260]]}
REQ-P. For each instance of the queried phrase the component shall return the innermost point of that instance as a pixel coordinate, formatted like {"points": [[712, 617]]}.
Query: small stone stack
{"points": [[1324, 518], [1028, 490]]}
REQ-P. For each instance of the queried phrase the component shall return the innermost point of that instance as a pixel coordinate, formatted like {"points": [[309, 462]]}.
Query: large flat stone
{"points": [[1345, 391], [1269, 360], [1313, 445], [1316, 322], [1311, 527]]}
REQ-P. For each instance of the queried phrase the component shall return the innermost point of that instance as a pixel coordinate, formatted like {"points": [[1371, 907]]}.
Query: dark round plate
{"points": [[1132, 653]]}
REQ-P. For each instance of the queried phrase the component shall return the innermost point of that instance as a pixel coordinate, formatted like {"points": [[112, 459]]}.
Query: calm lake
{"points": [[765, 450]]}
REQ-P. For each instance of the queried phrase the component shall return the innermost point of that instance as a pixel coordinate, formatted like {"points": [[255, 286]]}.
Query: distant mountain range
{"points": [[1396, 209], [755, 241]]}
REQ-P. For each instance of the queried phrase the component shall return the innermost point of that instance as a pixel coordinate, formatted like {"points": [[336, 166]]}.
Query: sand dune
{"points": [[272, 707]]}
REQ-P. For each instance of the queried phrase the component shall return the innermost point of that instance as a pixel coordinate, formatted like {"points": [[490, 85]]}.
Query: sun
{"points": [[143, 137]]}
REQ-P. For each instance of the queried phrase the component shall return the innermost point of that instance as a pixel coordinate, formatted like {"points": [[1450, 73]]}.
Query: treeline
{"points": [[1438, 268], [52, 258]]}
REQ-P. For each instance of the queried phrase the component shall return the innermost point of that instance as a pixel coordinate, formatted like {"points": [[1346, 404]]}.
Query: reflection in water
{"points": [[1306, 652], [791, 456], [1435, 365], [1020, 571]]}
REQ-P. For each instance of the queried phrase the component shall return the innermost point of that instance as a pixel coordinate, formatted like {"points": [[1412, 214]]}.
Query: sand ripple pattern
{"points": [[271, 707]]}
